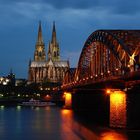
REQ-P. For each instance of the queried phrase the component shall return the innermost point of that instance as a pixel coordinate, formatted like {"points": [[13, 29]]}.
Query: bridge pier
{"points": [[117, 109], [125, 109], [68, 100]]}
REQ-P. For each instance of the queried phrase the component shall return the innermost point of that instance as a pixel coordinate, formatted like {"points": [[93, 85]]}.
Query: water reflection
{"points": [[113, 136], [88, 133], [50, 123], [18, 107], [118, 109], [2, 107]]}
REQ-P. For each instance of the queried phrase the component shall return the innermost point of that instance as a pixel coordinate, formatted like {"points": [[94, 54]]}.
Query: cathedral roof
{"points": [[49, 63], [61, 64], [38, 64]]}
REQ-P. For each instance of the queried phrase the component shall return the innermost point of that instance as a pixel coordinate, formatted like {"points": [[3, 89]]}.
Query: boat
{"points": [[37, 103]]}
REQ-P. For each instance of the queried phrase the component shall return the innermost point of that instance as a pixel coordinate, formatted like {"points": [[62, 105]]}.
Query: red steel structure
{"points": [[106, 54]]}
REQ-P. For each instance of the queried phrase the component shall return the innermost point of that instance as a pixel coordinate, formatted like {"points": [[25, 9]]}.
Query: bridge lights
{"points": [[132, 59], [108, 71], [91, 77], [108, 91]]}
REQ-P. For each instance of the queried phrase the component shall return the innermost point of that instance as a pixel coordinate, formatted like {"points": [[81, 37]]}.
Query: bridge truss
{"points": [[107, 53]]}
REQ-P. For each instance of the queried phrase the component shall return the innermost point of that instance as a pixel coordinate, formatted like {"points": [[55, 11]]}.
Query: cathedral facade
{"points": [[47, 68]]}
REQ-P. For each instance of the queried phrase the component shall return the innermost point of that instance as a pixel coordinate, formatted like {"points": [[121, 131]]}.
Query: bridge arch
{"points": [[69, 76], [108, 52]]}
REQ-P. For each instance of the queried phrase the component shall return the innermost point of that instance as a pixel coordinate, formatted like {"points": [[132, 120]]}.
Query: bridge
{"points": [[106, 55], [107, 77]]}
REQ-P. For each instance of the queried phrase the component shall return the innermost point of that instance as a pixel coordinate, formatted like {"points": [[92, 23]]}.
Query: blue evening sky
{"points": [[75, 21]]}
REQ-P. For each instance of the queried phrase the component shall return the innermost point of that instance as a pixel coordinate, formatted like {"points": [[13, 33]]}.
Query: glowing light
{"points": [[87, 78], [18, 95], [48, 97], [132, 59], [113, 136], [108, 91], [2, 107], [38, 95], [118, 109], [47, 88], [65, 111], [108, 71], [1, 79], [1, 95], [4, 83], [68, 99]]}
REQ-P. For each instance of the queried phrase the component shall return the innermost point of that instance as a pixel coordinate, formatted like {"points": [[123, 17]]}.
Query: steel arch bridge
{"points": [[106, 54]]}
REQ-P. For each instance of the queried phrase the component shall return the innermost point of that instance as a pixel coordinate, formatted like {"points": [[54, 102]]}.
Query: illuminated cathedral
{"points": [[47, 68]]}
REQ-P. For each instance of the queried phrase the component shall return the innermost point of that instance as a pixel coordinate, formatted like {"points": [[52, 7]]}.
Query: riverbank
{"points": [[16, 101]]}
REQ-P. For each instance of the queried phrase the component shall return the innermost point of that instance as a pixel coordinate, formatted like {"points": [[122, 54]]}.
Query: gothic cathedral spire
{"points": [[40, 54], [54, 34], [40, 38], [53, 49], [51, 70]]}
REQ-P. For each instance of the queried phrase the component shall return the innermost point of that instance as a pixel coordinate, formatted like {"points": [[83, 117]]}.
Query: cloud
{"points": [[67, 11]]}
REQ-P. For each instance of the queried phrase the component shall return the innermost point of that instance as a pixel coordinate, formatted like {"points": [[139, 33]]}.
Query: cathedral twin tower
{"points": [[47, 68]]}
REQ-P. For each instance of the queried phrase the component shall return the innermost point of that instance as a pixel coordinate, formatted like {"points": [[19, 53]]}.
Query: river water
{"points": [[53, 123]]}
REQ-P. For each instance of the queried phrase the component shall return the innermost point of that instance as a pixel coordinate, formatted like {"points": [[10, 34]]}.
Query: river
{"points": [[53, 123]]}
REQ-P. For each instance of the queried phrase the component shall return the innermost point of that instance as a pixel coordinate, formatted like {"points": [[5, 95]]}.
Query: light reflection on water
{"points": [[113, 136], [51, 123], [2, 107], [118, 109]]}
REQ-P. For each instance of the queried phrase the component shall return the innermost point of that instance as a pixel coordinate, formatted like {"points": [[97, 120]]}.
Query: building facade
{"points": [[47, 68]]}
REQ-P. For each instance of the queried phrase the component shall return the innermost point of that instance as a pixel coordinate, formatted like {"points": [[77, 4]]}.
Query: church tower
{"points": [[51, 70], [39, 54], [53, 49]]}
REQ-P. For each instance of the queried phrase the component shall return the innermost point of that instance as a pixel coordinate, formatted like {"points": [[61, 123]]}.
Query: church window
{"points": [[54, 54], [40, 54], [51, 73], [57, 53]]}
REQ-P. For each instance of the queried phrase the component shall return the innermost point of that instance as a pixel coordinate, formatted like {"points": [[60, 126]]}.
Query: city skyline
{"points": [[75, 21]]}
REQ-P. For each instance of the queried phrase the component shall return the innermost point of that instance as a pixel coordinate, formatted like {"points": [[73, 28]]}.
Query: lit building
{"points": [[8, 80], [48, 68]]}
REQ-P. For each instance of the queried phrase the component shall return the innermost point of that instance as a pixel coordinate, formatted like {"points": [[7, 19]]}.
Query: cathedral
{"points": [[50, 67]]}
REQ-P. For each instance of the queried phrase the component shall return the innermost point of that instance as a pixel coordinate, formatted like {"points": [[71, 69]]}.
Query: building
{"points": [[50, 67], [8, 80]]}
